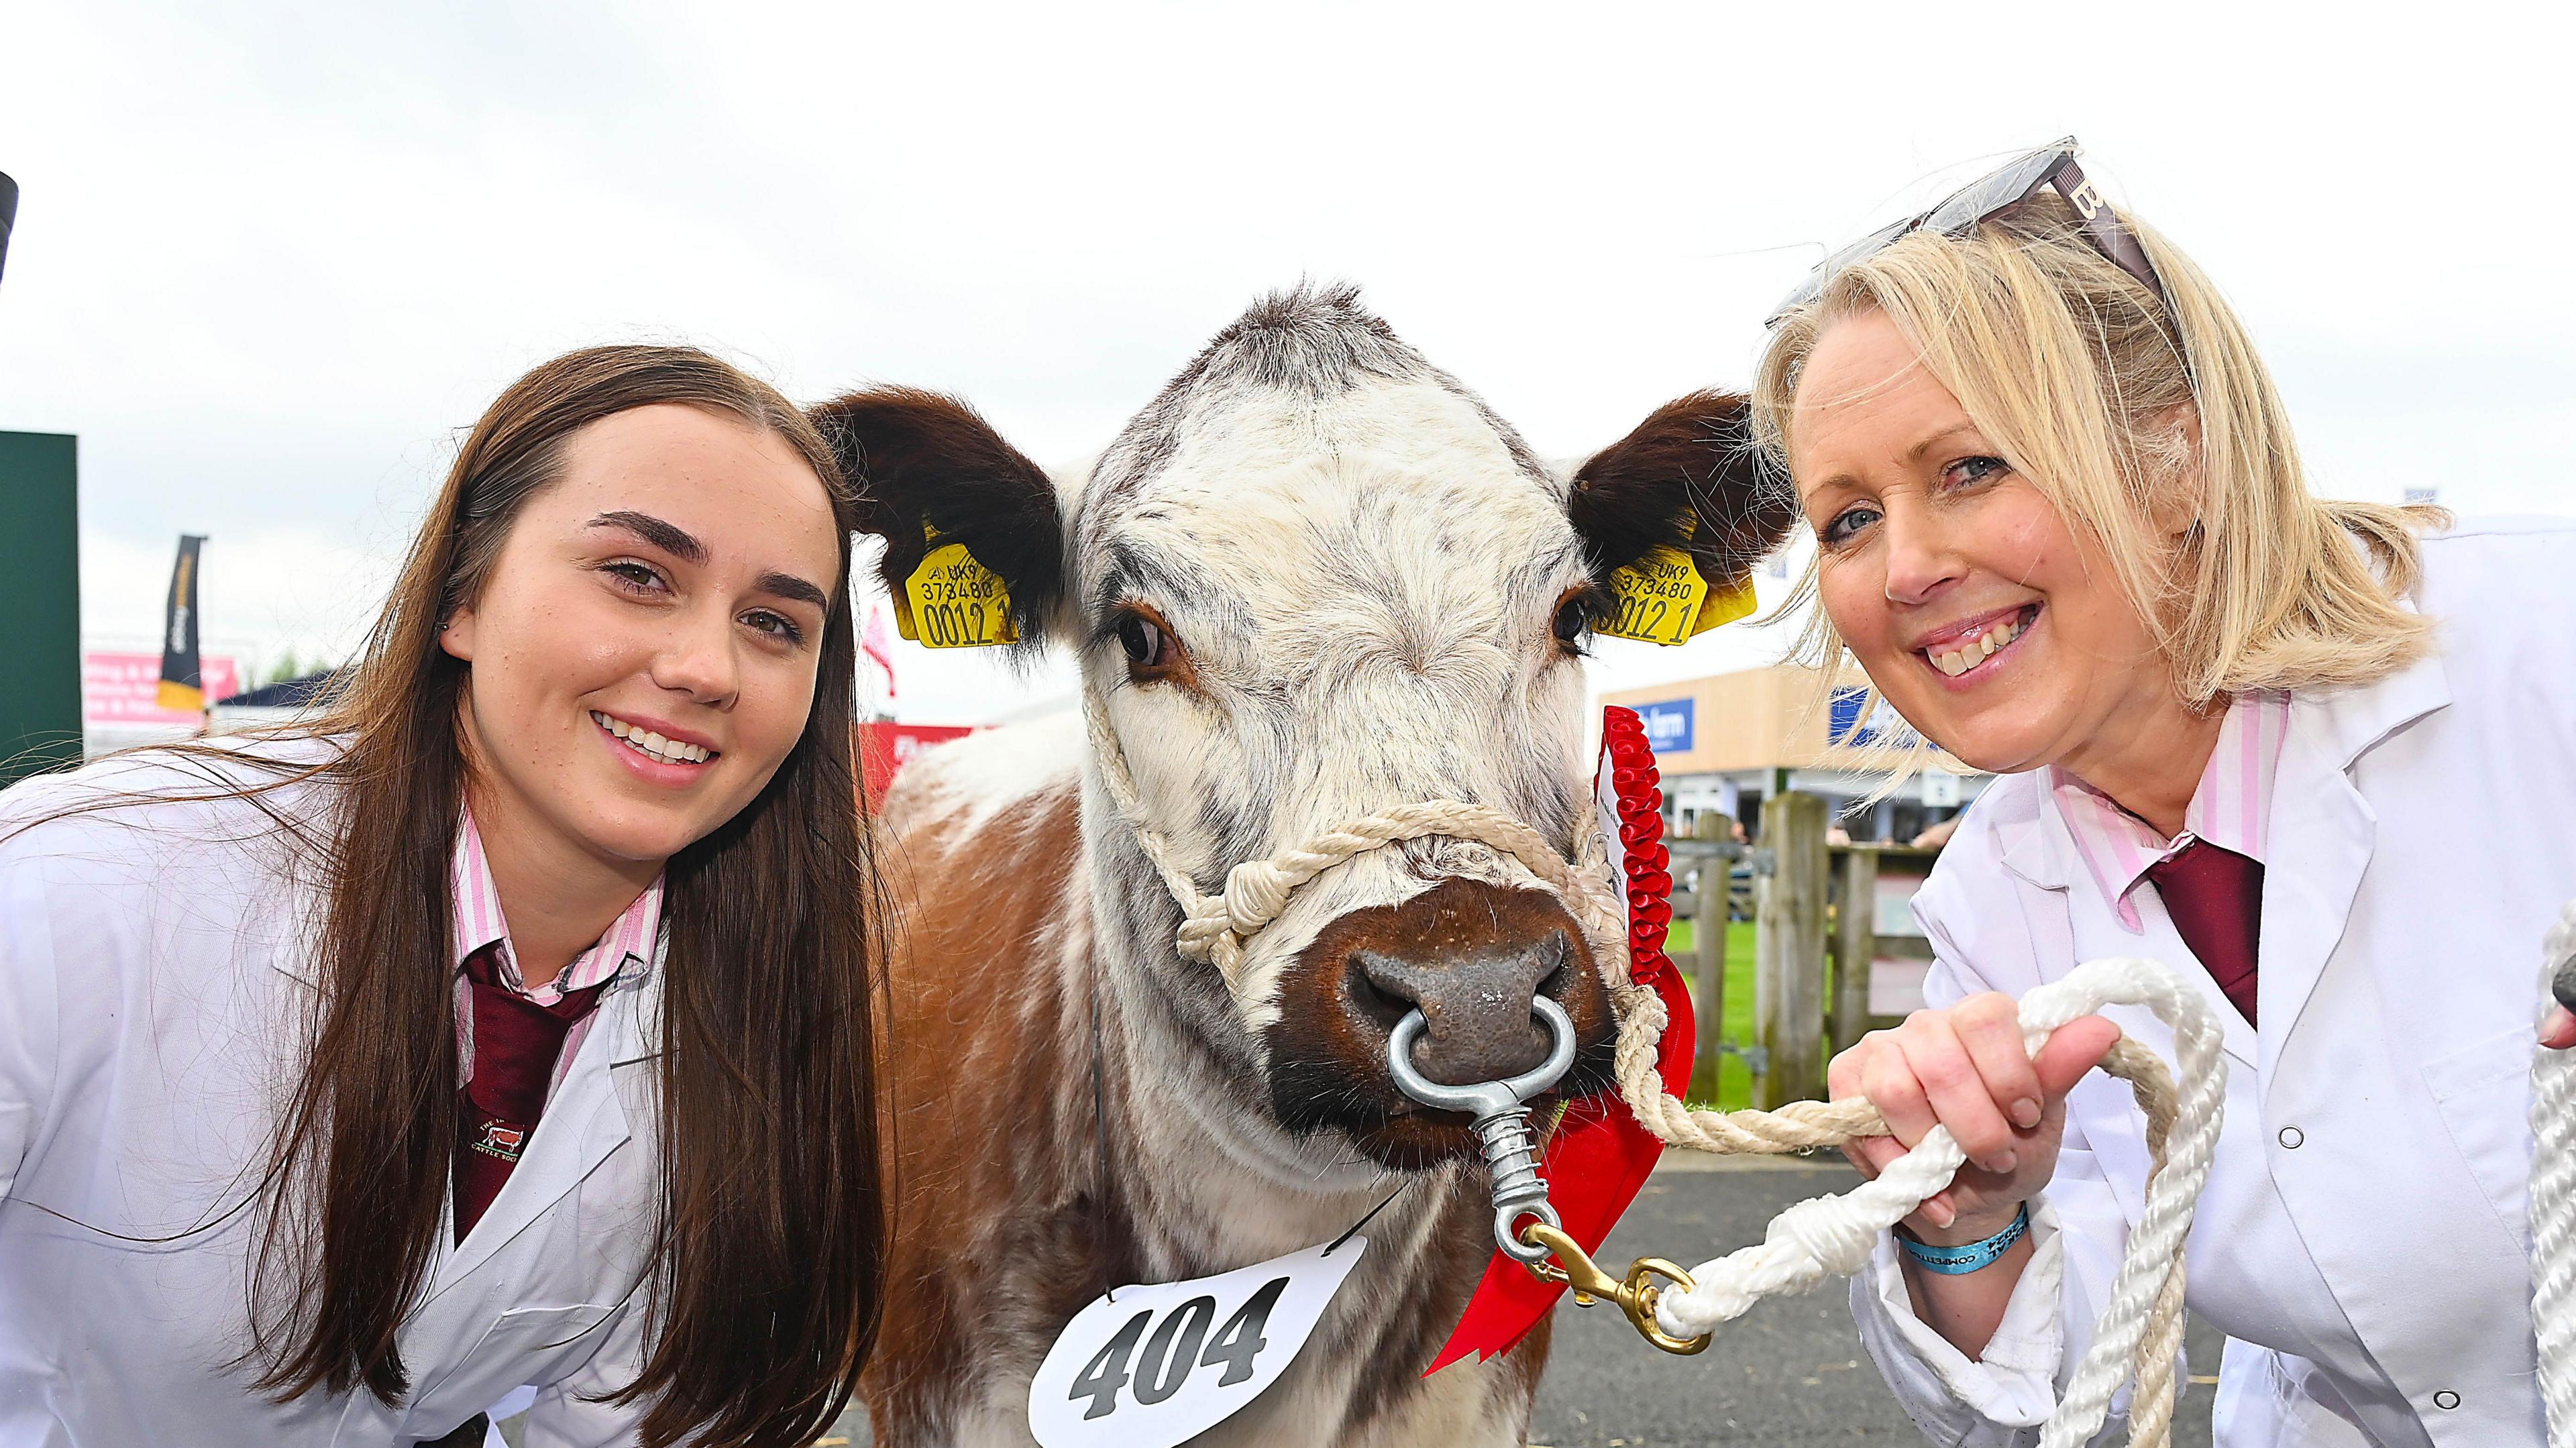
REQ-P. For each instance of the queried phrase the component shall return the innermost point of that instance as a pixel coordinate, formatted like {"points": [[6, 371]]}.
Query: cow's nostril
{"points": [[1375, 999]]}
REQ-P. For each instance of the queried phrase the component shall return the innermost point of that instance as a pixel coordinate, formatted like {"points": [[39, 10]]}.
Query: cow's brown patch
{"points": [[1328, 1047], [989, 1098]]}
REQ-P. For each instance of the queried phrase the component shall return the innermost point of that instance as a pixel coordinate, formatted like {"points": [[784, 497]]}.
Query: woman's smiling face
{"points": [[644, 646], [1990, 625]]}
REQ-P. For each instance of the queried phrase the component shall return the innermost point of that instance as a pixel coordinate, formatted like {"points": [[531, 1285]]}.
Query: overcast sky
{"points": [[271, 260]]}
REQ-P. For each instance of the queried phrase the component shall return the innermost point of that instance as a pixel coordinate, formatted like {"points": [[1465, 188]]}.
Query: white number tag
{"points": [[1160, 1364]]}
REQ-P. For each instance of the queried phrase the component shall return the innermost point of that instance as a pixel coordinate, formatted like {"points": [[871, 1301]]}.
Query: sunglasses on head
{"points": [[1999, 191]]}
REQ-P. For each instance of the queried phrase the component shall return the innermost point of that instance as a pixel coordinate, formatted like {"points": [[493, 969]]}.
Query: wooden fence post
{"points": [[1789, 952], [1708, 942], [1855, 944]]}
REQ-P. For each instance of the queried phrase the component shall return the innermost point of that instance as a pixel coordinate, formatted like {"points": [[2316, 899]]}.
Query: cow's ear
{"points": [[1688, 476], [921, 458]]}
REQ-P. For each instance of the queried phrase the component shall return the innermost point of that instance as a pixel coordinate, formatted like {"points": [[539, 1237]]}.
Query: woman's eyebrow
{"points": [[1916, 452], [669, 537], [684, 545], [788, 585]]}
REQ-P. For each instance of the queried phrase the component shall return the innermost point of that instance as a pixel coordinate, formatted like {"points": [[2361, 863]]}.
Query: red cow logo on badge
{"points": [[501, 1140]]}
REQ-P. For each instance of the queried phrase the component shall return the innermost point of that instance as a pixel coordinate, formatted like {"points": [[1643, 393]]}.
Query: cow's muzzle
{"points": [[1471, 957]]}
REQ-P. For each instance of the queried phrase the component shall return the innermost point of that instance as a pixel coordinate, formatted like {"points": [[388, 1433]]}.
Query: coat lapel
{"points": [[2323, 833], [2046, 857]]}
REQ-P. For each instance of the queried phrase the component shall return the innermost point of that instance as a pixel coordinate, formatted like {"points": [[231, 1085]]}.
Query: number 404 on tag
{"points": [[1153, 1366]]}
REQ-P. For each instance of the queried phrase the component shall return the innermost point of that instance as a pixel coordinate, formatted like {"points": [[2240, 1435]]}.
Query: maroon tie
{"points": [[515, 1045], [2215, 897]]}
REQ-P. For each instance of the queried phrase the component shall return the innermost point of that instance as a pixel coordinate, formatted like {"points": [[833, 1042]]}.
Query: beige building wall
{"points": [[1768, 718]]}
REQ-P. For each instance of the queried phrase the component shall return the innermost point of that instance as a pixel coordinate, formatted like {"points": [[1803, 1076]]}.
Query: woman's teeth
{"points": [[650, 744], [1977, 650]]}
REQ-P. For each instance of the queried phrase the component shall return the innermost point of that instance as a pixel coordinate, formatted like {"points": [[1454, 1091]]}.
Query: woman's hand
{"points": [[1965, 1068]]}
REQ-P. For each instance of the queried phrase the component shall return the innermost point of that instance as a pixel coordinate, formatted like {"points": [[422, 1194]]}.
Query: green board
{"points": [[40, 705]]}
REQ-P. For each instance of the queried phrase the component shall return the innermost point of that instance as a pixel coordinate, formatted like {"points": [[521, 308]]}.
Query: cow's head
{"points": [[1317, 578]]}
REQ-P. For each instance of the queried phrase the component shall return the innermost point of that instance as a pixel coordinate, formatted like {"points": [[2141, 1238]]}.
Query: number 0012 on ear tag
{"points": [[1157, 1365], [954, 602], [1661, 598]]}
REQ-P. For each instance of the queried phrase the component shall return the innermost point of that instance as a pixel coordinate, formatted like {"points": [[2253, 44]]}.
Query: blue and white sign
{"points": [[1668, 724], [1847, 723]]}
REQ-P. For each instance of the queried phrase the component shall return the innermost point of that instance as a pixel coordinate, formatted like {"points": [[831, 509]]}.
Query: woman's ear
{"points": [[2172, 448], [927, 463], [456, 635], [1687, 477]]}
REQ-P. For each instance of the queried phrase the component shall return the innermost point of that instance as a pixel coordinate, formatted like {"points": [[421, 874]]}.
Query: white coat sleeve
{"points": [[568, 1413], [2078, 1234], [30, 1018]]}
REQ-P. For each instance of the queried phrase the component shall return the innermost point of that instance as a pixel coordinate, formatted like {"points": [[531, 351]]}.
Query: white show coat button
{"points": [[2446, 1399], [2292, 1137]]}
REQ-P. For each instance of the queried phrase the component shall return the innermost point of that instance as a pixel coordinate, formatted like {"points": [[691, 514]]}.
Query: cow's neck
{"points": [[1200, 1168]]}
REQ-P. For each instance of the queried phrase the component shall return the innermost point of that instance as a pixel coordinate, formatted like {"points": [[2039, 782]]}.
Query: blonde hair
{"points": [[2088, 386]]}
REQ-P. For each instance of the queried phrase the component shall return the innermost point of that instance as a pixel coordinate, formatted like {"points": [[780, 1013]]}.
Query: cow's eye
{"points": [[1573, 619], [1145, 644]]}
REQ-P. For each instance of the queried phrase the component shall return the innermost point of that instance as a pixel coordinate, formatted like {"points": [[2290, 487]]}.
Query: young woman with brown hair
{"points": [[509, 1024]]}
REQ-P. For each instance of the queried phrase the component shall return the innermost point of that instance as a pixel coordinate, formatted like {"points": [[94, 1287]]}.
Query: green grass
{"points": [[1733, 1088]]}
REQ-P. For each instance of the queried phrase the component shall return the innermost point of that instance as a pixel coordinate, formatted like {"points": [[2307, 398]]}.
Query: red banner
{"points": [[885, 747]]}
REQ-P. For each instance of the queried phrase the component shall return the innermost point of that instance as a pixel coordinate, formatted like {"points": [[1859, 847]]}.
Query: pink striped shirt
{"points": [[2230, 808], [629, 938]]}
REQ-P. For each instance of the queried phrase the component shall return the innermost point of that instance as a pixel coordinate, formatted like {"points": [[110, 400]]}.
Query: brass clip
{"points": [[1636, 1294]]}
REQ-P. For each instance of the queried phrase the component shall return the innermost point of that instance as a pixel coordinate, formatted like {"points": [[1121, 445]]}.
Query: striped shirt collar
{"points": [[2231, 807], [478, 924]]}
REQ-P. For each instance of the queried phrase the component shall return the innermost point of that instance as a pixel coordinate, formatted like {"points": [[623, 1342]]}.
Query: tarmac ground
{"points": [[1789, 1374]]}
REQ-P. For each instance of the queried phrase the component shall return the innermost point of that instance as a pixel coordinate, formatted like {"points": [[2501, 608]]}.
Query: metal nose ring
{"points": [[1501, 1118], [1485, 1098]]}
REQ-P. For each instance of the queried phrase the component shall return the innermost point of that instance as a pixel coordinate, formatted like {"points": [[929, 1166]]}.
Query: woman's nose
{"points": [[1919, 556], [698, 660]]}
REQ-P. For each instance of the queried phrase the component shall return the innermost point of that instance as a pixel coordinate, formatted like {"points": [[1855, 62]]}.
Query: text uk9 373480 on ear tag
{"points": [[1152, 1366]]}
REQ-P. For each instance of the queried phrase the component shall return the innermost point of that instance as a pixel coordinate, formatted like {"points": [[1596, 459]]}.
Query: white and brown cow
{"points": [[1315, 578]]}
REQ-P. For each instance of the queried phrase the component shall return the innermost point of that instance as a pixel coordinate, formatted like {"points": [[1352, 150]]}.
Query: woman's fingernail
{"points": [[2025, 1113], [2001, 1163], [1940, 1214]]}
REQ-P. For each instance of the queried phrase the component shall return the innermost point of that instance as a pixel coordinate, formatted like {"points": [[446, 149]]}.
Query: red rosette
{"points": [[1598, 1157]]}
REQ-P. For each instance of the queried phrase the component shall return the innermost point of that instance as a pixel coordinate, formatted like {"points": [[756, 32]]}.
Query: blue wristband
{"points": [[1968, 1257]]}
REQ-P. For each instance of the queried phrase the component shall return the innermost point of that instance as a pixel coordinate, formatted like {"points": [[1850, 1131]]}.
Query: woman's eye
{"points": [[635, 577], [1572, 619], [1968, 472], [777, 626], [1145, 644], [1847, 523]]}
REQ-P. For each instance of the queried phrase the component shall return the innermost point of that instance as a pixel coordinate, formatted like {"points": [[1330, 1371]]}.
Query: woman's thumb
{"points": [[2071, 1050]]}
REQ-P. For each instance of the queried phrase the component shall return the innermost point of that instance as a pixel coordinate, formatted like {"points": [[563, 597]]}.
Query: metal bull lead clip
{"points": [[1501, 1117], [1526, 1226]]}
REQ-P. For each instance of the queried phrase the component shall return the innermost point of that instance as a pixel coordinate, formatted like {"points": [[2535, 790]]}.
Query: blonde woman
{"points": [[2320, 756]]}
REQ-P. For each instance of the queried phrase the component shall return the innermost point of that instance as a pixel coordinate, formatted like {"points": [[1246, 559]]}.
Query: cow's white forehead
{"points": [[1308, 445], [1400, 491]]}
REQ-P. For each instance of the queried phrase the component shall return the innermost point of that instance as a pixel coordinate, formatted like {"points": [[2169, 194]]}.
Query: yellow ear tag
{"points": [[1659, 598], [953, 602], [1725, 604]]}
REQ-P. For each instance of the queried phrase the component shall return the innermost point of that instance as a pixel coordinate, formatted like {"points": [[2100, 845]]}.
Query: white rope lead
{"points": [[1834, 1236], [2553, 1203]]}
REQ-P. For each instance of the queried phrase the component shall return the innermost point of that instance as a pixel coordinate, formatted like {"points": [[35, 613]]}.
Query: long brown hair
{"points": [[769, 1245]]}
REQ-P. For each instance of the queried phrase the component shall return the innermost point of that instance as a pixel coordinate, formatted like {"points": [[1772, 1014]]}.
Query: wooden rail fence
{"points": [[1836, 951]]}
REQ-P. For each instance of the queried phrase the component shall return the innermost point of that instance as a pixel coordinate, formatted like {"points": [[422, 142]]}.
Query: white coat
{"points": [[153, 977], [2362, 1239]]}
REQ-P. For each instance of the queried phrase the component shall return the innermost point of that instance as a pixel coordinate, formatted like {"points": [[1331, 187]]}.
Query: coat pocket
{"points": [[2483, 1092]]}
